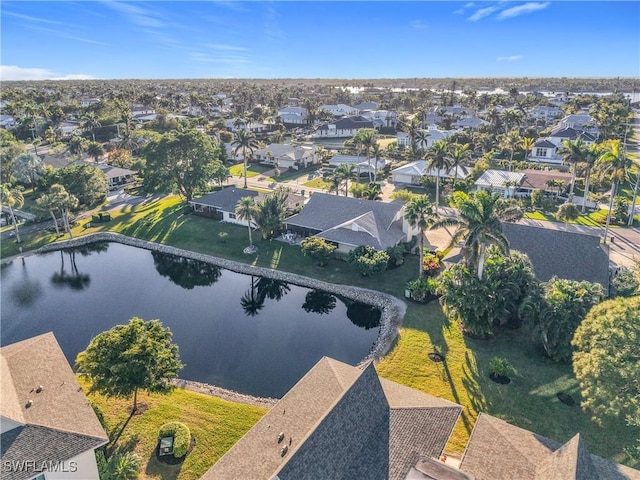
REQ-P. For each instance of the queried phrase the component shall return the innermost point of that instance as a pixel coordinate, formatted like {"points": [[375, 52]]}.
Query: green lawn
{"points": [[528, 402], [253, 170], [596, 218], [216, 425]]}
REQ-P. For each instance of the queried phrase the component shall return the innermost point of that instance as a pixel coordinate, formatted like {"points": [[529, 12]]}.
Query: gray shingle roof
{"points": [[544, 144], [366, 230], [569, 255], [324, 211], [344, 423], [348, 123], [225, 199], [37, 446], [500, 451]]}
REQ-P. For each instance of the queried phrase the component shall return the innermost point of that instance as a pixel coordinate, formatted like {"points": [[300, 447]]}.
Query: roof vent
{"points": [[280, 437], [284, 451], [29, 403], [39, 389]]}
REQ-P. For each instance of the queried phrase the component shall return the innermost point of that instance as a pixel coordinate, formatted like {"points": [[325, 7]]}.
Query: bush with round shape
{"points": [[181, 437]]}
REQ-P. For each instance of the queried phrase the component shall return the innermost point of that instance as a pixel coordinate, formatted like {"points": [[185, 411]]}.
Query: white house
{"points": [[557, 136], [254, 127], [339, 110], [544, 112], [363, 166], [87, 102], [48, 429], [293, 115], [286, 156], [7, 122], [545, 151], [580, 121], [342, 128], [221, 204], [500, 181], [381, 118], [434, 135], [469, 122], [411, 173]]}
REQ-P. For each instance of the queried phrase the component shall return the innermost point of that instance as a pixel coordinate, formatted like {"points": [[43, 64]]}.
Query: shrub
{"points": [[624, 283], [318, 249], [181, 437], [368, 261], [500, 367], [430, 264], [424, 289]]}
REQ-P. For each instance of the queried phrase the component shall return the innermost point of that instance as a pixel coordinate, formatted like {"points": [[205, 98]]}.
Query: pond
{"points": [[249, 334]]}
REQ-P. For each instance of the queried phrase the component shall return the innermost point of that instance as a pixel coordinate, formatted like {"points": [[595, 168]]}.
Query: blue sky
{"points": [[331, 39]]}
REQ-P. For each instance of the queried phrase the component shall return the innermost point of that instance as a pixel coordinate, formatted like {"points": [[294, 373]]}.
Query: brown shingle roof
{"points": [[498, 450], [61, 405]]}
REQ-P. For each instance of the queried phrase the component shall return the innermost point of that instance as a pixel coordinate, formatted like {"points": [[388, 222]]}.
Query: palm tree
{"points": [[573, 153], [76, 145], [479, 223], [333, 181], [412, 127], [613, 161], [373, 192], [438, 158], [511, 141], [246, 210], [422, 137], [12, 197], [346, 173], [95, 151], [367, 138], [244, 141], [48, 202], [527, 145], [376, 153], [460, 155], [89, 123], [419, 213], [593, 153]]}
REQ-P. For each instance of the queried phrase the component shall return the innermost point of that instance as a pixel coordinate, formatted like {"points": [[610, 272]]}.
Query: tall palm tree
{"points": [[346, 173], [412, 127], [376, 153], [333, 181], [511, 141], [367, 138], [12, 197], [244, 142], [89, 123], [460, 155], [593, 153], [419, 213], [573, 152], [438, 158], [479, 223], [245, 210], [527, 145], [95, 151], [48, 202], [422, 137], [613, 161]]}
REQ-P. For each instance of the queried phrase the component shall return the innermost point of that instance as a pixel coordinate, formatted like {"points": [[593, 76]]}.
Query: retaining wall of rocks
{"points": [[392, 308]]}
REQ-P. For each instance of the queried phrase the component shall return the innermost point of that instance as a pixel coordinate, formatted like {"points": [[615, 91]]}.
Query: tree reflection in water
{"points": [[317, 301], [186, 272]]}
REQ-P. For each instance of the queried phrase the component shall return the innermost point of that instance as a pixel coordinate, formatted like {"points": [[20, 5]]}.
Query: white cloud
{"points": [[525, 9], [481, 13], [13, 72], [31, 19], [419, 25], [511, 58], [219, 46]]}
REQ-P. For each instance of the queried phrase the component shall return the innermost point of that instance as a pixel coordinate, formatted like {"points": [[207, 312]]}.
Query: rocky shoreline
{"points": [[392, 308], [223, 393]]}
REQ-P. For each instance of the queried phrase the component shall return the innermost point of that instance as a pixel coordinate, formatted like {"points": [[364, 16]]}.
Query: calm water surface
{"points": [[244, 333]]}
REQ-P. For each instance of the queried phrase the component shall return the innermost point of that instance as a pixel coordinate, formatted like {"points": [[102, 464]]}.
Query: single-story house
{"points": [[341, 422], [580, 121], [573, 134], [500, 181], [293, 115], [537, 180], [363, 166], [473, 123], [412, 173], [8, 122], [381, 118], [116, 175], [532, 456], [221, 204], [48, 429], [342, 128], [339, 110], [287, 156], [351, 222], [569, 255]]}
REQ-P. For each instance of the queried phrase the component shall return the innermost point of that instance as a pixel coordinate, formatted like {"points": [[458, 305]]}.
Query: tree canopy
{"points": [[85, 182], [606, 360], [127, 358], [180, 161]]}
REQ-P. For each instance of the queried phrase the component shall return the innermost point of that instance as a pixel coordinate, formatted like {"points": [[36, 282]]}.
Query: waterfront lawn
{"points": [[529, 401], [216, 425]]}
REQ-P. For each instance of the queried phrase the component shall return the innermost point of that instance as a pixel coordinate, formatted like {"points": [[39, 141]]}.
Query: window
{"points": [[232, 215], [541, 152]]}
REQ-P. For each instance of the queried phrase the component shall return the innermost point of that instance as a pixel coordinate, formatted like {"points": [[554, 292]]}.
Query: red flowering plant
{"points": [[430, 264]]}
